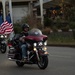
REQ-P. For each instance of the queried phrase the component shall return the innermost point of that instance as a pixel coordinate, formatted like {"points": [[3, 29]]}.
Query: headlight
{"points": [[35, 44], [40, 43], [45, 48], [5, 36], [2, 36], [35, 49], [45, 43]]}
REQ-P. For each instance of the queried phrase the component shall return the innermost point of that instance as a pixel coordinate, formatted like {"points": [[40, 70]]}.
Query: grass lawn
{"points": [[61, 39]]}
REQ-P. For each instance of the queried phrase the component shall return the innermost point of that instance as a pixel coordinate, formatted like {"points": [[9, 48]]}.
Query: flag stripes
{"points": [[6, 28]]}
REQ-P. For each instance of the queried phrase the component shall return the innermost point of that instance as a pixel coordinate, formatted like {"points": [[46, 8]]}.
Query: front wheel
{"points": [[3, 48], [20, 64], [43, 63]]}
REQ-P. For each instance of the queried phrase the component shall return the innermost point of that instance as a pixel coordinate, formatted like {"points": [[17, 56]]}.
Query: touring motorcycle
{"points": [[36, 49], [3, 45]]}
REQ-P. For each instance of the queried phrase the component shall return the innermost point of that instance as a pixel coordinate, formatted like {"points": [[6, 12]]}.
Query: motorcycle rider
{"points": [[23, 45]]}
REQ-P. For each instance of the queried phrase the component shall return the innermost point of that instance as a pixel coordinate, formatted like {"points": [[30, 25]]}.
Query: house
{"points": [[20, 8], [46, 4]]}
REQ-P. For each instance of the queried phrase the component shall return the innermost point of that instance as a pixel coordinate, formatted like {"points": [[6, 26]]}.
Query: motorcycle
{"points": [[3, 45], [36, 50]]}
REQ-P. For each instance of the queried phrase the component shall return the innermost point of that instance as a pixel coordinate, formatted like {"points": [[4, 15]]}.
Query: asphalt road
{"points": [[61, 62]]}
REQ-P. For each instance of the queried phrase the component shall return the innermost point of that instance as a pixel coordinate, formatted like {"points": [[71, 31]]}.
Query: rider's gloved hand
{"points": [[22, 39]]}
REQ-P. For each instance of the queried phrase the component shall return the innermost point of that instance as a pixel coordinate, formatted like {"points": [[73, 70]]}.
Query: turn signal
{"points": [[46, 53]]}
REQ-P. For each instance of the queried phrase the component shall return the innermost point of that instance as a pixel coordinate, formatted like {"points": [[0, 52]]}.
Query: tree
{"points": [[68, 8]]}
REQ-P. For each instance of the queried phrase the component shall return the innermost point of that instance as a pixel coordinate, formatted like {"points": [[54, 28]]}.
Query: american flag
{"points": [[6, 28]]}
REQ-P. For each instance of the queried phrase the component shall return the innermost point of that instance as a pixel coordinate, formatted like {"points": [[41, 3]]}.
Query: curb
{"points": [[61, 45]]}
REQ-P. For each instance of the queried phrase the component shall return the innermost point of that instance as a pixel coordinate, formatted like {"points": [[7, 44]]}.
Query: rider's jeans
{"points": [[24, 51]]}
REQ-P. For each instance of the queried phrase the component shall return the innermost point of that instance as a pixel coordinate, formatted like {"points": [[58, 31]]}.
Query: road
{"points": [[61, 62]]}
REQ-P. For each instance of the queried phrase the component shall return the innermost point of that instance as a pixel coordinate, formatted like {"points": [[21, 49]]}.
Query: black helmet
{"points": [[25, 26]]}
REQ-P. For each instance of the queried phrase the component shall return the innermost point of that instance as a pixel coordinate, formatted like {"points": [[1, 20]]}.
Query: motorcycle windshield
{"points": [[35, 32]]}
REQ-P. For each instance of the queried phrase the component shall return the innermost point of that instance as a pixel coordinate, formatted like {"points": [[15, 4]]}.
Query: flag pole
{"points": [[4, 14], [41, 11], [10, 9]]}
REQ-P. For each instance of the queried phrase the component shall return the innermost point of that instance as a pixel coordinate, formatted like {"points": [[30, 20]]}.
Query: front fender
{"points": [[43, 53]]}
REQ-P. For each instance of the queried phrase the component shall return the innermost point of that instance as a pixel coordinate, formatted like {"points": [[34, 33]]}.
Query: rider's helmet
{"points": [[25, 27]]}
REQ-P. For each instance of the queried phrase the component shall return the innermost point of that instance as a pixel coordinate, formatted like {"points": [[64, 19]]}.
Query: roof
{"points": [[19, 0], [44, 1]]}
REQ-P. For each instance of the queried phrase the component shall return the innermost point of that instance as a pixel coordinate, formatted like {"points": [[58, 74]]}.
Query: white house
{"points": [[18, 8], [21, 8]]}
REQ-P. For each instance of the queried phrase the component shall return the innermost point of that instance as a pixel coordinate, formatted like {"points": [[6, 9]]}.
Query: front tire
{"points": [[43, 63], [20, 64], [3, 48]]}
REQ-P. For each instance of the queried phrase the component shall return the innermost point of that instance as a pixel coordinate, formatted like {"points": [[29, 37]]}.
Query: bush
{"points": [[17, 28], [57, 22], [72, 14], [48, 22], [24, 20], [46, 31], [39, 26], [54, 28], [66, 28], [32, 21], [72, 25]]}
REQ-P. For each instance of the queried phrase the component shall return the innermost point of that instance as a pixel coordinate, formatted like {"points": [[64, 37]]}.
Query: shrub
{"points": [[17, 28], [48, 22], [32, 21], [54, 28], [72, 25], [39, 26], [46, 31], [66, 28], [72, 14]]}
